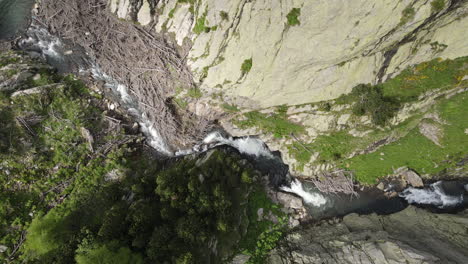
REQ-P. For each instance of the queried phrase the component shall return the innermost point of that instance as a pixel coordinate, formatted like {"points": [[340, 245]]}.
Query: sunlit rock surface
{"points": [[337, 45]]}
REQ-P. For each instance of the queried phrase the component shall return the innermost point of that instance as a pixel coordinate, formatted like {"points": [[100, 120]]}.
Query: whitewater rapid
{"points": [[246, 145], [433, 195], [311, 198]]}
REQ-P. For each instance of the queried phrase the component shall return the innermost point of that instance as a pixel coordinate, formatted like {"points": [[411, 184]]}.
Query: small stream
{"points": [[438, 197]]}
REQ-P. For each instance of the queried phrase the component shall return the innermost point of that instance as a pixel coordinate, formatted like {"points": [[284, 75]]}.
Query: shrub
{"points": [[370, 100], [224, 15], [292, 17], [407, 15], [437, 5], [246, 66]]}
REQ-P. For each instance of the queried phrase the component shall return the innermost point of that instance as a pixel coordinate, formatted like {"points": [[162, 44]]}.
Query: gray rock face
{"points": [[410, 236], [336, 45]]}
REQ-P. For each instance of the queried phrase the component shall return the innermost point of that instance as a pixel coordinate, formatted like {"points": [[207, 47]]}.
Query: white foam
{"points": [[434, 195], [311, 198], [246, 145]]}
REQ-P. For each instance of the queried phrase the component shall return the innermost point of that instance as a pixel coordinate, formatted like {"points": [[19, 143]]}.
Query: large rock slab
{"points": [[337, 45], [410, 236]]}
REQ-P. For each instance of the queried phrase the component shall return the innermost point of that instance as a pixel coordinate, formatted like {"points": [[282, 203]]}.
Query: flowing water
{"points": [[69, 58], [14, 16]]}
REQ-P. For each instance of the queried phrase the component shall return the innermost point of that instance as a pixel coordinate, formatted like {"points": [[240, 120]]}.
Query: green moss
{"points": [[277, 124], [293, 17], [246, 66], [407, 15], [437, 5]]}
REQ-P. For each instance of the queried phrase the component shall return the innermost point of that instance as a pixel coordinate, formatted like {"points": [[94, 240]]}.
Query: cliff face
{"points": [[297, 52], [410, 236], [247, 55]]}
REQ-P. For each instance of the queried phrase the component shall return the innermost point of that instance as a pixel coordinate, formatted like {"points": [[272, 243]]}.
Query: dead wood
{"points": [[141, 60]]}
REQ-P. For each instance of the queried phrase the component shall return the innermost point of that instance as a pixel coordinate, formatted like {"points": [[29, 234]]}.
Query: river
{"points": [[70, 58]]}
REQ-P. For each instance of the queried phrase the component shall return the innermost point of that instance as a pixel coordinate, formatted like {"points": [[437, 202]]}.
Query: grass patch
{"points": [[181, 103], [230, 107], [246, 66], [437, 5], [416, 151], [195, 93], [293, 17], [276, 123], [424, 77], [383, 100], [407, 15], [419, 79]]}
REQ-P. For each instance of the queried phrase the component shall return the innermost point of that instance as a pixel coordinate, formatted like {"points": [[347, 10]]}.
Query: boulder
{"points": [[410, 177], [431, 131], [289, 200]]}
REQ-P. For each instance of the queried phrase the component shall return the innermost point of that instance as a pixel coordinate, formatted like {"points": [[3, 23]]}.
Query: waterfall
{"points": [[314, 199], [434, 195], [246, 145]]}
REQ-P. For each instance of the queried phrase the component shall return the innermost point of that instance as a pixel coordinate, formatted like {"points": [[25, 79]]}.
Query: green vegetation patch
{"points": [[407, 15], [224, 15], [246, 66], [200, 25], [293, 17], [275, 123], [424, 77], [382, 101], [262, 234], [195, 93], [62, 201], [172, 12], [437, 5], [416, 151], [230, 107]]}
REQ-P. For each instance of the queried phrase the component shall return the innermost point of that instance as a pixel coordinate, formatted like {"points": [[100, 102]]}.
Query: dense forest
{"points": [[78, 184]]}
